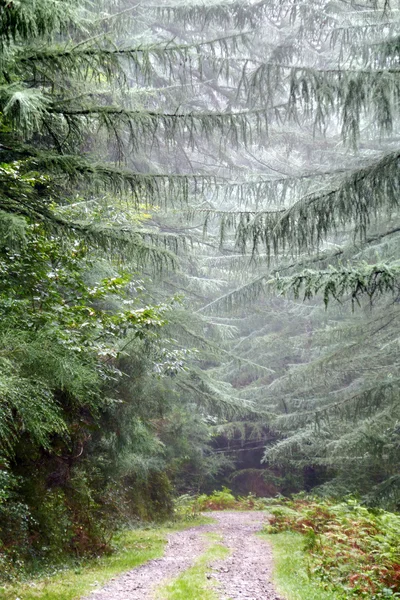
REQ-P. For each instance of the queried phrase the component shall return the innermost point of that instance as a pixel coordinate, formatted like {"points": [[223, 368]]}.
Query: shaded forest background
{"points": [[199, 274]]}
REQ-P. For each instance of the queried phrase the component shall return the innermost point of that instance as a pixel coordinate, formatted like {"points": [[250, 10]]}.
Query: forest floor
{"points": [[222, 560]]}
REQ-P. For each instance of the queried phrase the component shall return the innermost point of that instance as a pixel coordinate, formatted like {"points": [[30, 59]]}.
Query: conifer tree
{"points": [[317, 191]]}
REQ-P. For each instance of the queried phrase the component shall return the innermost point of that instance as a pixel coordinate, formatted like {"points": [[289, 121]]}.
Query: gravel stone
{"points": [[246, 573]]}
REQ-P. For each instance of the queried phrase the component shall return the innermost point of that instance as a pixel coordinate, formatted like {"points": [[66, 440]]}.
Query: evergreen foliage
{"points": [[144, 154], [317, 191], [79, 446]]}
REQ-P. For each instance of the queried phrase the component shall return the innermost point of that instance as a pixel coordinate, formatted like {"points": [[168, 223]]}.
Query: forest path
{"points": [[245, 573]]}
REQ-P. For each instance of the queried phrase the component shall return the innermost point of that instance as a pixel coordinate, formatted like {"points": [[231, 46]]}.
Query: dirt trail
{"points": [[245, 574]]}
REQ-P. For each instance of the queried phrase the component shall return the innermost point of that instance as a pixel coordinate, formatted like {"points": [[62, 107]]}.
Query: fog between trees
{"points": [[199, 258]]}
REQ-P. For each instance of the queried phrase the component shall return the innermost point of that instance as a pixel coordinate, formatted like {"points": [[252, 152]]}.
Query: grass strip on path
{"points": [[133, 549], [290, 569], [193, 583]]}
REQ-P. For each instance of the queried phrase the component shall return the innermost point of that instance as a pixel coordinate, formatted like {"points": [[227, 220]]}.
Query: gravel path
{"points": [[245, 574]]}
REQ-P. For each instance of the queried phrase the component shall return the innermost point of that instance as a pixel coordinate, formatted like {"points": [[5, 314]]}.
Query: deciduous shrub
{"points": [[219, 500], [15, 519]]}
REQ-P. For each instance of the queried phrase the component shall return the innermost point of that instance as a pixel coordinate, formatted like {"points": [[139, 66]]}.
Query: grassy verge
{"points": [[193, 583], [133, 549], [290, 569]]}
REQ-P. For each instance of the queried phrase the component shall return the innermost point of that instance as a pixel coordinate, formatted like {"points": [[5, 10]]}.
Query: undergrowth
{"points": [[291, 573], [191, 506], [350, 550]]}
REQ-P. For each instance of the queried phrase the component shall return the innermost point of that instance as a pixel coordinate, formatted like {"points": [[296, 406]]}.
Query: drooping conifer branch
{"points": [[266, 283], [243, 14], [348, 93], [144, 60], [27, 20], [359, 198], [369, 280], [233, 127], [144, 188]]}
